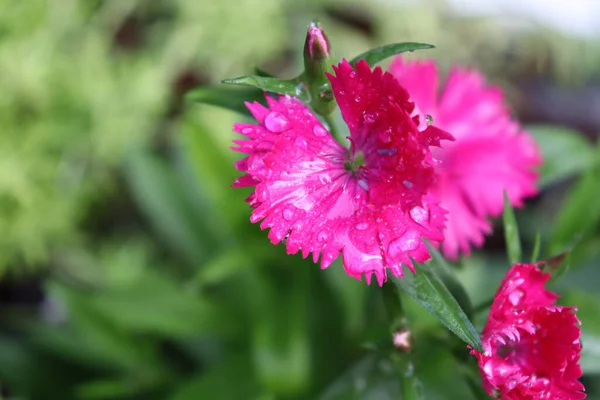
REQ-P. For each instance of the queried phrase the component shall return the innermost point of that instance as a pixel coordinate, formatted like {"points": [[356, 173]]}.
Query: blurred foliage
{"points": [[130, 269]]}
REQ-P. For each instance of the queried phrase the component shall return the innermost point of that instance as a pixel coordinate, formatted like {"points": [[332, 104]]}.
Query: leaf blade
{"points": [[378, 54], [292, 87], [511, 232], [428, 289]]}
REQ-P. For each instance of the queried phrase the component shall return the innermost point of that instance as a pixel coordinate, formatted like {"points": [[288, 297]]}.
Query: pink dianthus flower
{"points": [[491, 154], [531, 346], [369, 202]]}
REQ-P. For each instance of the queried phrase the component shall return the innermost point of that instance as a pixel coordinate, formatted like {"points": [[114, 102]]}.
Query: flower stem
{"points": [[331, 125], [393, 305]]}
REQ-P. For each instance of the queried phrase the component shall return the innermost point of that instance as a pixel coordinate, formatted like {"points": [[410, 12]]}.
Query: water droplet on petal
{"points": [[352, 74], [386, 136], [322, 236], [407, 242], [277, 122], [369, 118], [495, 368], [301, 142], [319, 131], [247, 131], [516, 296], [358, 98], [363, 184], [428, 119], [511, 383], [419, 215], [288, 214], [539, 383], [408, 184], [362, 226]]}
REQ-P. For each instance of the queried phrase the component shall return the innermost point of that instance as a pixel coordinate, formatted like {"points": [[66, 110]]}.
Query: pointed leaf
{"points": [[580, 211], [565, 152], [226, 97], [557, 265], [291, 87], [511, 232], [536, 247], [378, 54], [428, 289]]}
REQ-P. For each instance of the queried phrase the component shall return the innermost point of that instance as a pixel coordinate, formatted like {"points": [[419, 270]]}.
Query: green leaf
{"points": [[557, 265], [371, 378], [580, 212], [293, 87], [378, 54], [159, 193], [536, 247], [428, 289], [565, 152], [229, 98], [215, 383], [511, 232]]}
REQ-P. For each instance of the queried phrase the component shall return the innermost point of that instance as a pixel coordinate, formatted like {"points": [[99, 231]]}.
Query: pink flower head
{"points": [[368, 202], [531, 346], [491, 153]]}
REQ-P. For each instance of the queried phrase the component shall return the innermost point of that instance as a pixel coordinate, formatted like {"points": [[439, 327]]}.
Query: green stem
{"points": [[393, 305], [331, 125]]}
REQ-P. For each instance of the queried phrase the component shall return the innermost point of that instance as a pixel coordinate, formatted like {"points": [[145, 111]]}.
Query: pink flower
{"points": [[531, 346], [491, 153], [368, 202]]}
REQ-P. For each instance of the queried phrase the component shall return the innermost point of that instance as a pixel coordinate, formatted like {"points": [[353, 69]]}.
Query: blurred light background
{"points": [[129, 267]]}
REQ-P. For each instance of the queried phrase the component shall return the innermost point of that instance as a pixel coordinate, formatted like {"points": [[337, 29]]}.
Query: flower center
{"points": [[353, 164]]}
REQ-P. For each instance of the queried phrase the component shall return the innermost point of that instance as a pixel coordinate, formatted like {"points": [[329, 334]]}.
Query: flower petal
{"points": [[420, 78]]}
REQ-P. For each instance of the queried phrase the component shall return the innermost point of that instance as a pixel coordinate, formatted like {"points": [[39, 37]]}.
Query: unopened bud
{"points": [[316, 63], [316, 46], [402, 340]]}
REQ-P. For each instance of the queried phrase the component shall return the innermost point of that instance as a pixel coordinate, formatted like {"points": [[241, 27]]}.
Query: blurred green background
{"points": [[129, 268]]}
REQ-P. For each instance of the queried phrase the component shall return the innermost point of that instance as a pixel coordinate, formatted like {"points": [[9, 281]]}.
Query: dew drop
{"points": [[428, 119], [408, 184], [277, 122], [386, 136], [407, 242], [288, 214], [301, 142], [362, 226], [358, 98], [511, 383], [540, 383], [319, 131], [369, 118], [322, 236], [419, 215], [516, 297], [495, 368], [247, 131], [352, 74], [363, 184]]}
